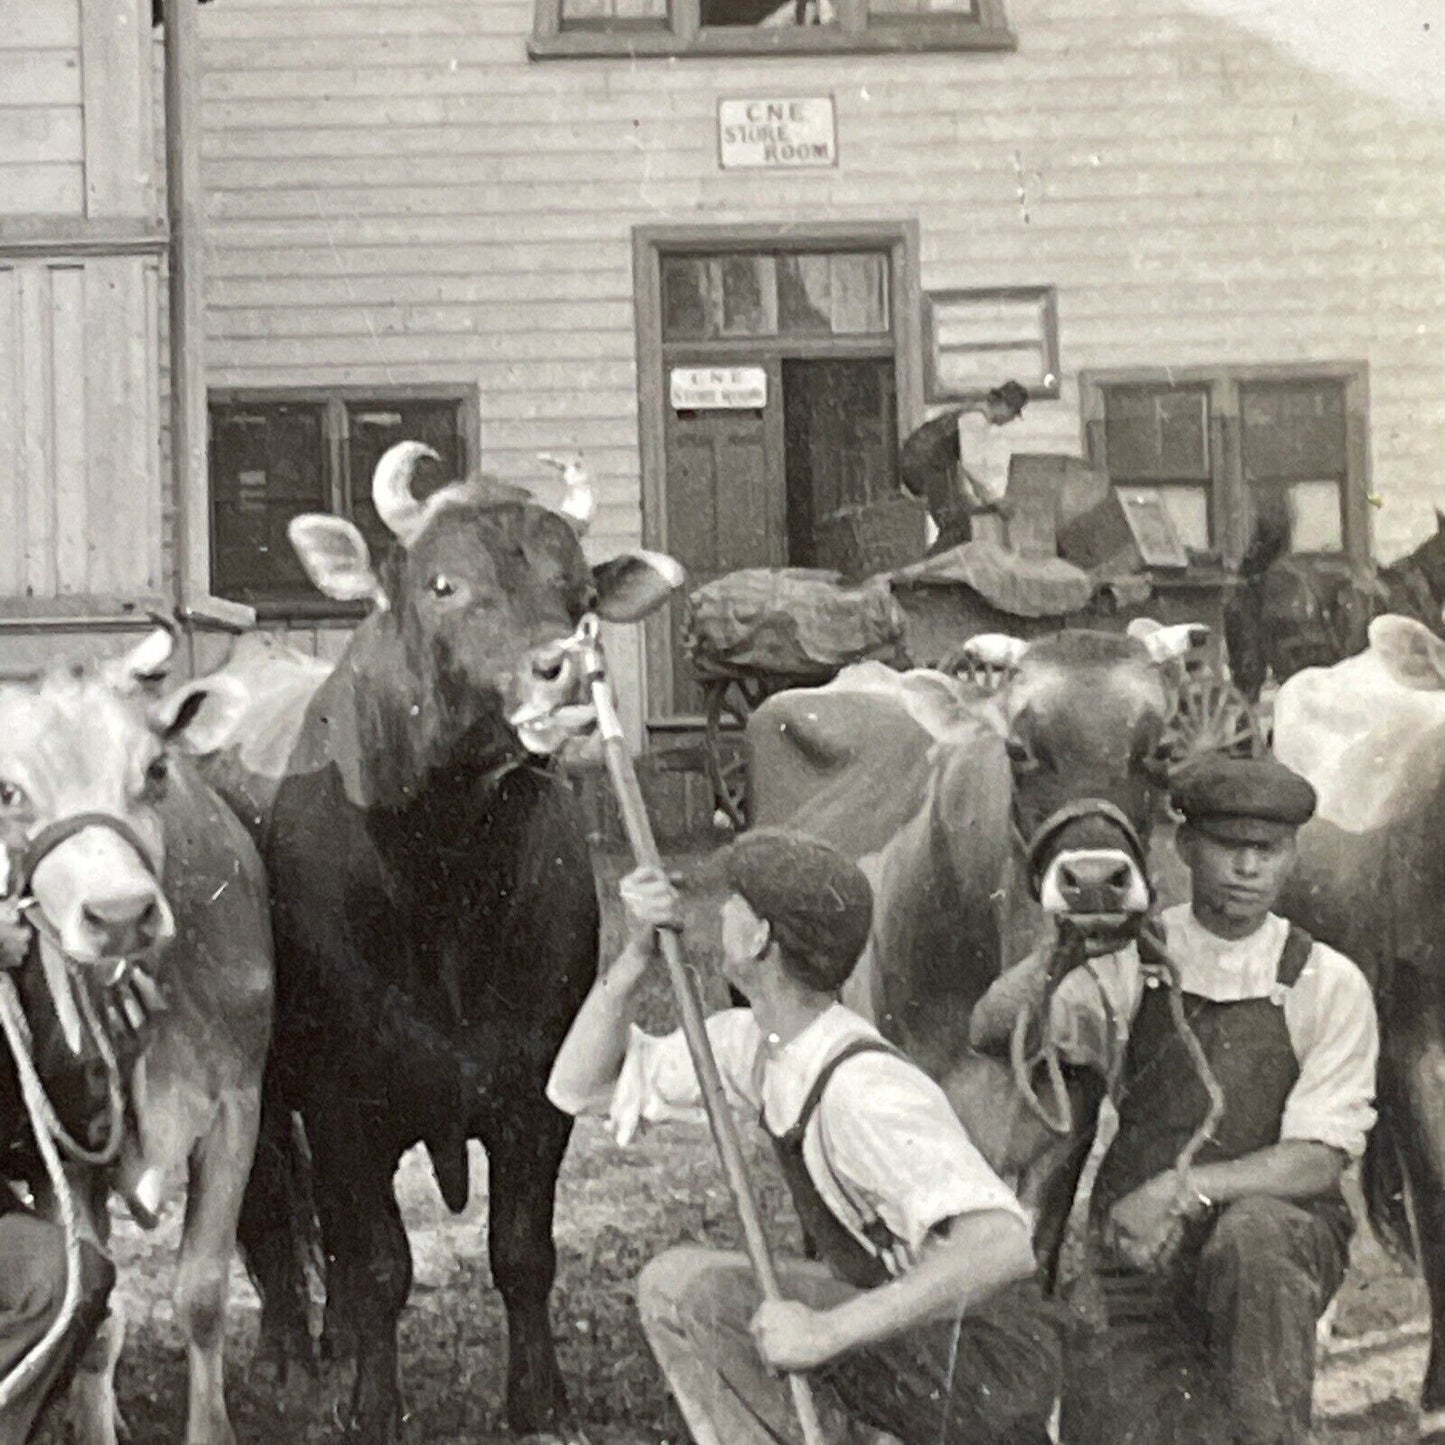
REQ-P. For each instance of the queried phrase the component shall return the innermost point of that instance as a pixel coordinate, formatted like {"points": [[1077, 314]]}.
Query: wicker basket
{"points": [[862, 541]]}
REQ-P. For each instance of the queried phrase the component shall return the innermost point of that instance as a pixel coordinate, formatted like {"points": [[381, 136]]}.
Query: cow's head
{"points": [[1084, 716], [85, 758], [471, 606]]}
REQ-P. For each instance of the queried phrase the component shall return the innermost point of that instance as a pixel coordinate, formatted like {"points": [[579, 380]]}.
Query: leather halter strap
{"points": [[50, 837], [1032, 845]]}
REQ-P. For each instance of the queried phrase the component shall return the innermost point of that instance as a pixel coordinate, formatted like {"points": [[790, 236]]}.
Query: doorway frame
{"points": [[900, 238]]}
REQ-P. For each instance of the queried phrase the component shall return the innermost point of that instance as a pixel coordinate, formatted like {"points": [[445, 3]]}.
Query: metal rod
{"points": [[694, 1028]]}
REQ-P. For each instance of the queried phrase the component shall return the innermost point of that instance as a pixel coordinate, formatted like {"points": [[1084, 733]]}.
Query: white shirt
{"points": [[985, 451], [882, 1144], [1329, 1015]]}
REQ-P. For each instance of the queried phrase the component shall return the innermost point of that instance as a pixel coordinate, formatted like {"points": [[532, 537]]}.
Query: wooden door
{"points": [[725, 506]]}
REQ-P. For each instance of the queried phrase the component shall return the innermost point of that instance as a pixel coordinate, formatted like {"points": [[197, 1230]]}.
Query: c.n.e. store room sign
{"points": [[787, 134]]}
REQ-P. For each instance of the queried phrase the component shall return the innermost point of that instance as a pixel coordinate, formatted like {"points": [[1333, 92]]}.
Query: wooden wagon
{"points": [[914, 618]]}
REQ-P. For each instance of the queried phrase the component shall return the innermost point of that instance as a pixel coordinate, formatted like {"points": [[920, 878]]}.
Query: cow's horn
{"points": [[579, 501], [391, 492]]}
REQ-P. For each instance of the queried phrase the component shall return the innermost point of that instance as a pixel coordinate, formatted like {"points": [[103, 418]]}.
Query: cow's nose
{"points": [[125, 923], [1102, 882]]}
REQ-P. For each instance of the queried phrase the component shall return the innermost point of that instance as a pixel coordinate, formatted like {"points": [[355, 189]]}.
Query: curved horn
{"points": [[579, 501], [391, 492]]}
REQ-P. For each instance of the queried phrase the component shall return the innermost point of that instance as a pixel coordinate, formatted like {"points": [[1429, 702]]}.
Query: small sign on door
{"points": [[777, 134], [718, 388]]}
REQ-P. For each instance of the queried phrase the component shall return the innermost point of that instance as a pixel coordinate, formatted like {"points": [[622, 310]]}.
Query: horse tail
{"points": [[1384, 1176], [279, 1232]]}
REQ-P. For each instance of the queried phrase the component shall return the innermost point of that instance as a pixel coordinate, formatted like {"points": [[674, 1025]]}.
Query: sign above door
{"points": [[785, 134], [718, 388]]}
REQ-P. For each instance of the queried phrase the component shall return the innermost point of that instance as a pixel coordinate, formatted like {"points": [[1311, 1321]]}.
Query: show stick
{"points": [[724, 1128]]}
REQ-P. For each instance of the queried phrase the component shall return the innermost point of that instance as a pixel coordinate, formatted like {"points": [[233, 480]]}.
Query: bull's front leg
{"points": [[524, 1147], [369, 1272]]}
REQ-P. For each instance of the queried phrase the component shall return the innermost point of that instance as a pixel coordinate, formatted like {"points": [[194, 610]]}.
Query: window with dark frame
{"points": [[722, 27], [1221, 448], [274, 456]]}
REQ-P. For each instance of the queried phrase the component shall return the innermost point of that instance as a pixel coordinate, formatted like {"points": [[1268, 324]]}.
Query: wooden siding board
{"points": [[26, 25], [72, 440], [12, 478], [39, 77], [41, 133], [37, 575], [42, 189]]}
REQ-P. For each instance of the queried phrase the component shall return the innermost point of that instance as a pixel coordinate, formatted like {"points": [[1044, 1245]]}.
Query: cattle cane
{"points": [[724, 1128]]}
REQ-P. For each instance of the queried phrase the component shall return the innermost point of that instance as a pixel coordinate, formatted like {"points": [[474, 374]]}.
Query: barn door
{"points": [[725, 504]]}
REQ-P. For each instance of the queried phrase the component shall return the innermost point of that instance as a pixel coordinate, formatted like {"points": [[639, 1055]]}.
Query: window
{"points": [[277, 455], [757, 294], [742, 27], [1220, 448], [977, 340]]}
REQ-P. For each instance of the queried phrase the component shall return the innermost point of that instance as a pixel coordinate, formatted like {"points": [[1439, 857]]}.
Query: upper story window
{"points": [[275, 455], [1222, 446], [750, 27]]}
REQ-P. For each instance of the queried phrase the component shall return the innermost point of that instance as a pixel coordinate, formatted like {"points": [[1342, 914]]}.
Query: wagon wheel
{"points": [[1213, 719], [962, 664], [730, 702]]}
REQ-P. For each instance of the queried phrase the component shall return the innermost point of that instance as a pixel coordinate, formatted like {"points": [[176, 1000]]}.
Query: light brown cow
{"points": [[117, 852]]}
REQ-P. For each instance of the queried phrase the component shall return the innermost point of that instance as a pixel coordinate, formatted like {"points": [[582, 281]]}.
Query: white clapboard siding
{"points": [[42, 136], [80, 496]]}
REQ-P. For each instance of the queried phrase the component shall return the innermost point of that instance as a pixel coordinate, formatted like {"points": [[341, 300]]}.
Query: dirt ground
{"points": [[615, 1209]]}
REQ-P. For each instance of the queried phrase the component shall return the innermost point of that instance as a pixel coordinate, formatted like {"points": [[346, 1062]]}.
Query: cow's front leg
{"points": [[524, 1153], [218, 1168], [95, 1417], [368, 1272]]}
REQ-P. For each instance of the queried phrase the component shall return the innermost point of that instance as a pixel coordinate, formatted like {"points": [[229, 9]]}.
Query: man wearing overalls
{"points": [[1213, 1280], [924, 1318]]}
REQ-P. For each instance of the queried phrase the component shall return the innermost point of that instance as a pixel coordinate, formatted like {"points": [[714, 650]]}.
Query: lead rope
{"points": [[47, 1129]]}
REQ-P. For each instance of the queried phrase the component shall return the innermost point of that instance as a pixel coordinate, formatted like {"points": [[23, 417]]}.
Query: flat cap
{"points": [[815, 899], [1243, 799]]}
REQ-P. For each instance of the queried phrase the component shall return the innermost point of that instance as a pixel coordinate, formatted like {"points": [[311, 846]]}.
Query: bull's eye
{"points": [[442, 586], [12, 795]]}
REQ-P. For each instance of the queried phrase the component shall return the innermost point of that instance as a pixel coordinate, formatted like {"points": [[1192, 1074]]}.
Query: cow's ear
{"points": [[145, 666], [336, 557], [201, 716], [634, 584], [1409, 651]]}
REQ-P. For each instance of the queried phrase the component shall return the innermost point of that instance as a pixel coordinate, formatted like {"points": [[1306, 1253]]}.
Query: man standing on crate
{"points": [[925, 1319], [958, 463]]}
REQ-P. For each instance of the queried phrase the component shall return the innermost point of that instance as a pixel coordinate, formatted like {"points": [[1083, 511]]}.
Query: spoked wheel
{"points": [[730, 702], [964, 665], [1214, 719]]}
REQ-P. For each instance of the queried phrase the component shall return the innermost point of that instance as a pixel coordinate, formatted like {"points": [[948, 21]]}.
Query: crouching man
{"points": [[924, 1318], [1213, 1280]]}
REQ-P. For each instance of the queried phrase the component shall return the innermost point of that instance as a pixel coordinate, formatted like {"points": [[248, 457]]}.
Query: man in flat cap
{"points": [[1213, 1280], [924, 1318]]}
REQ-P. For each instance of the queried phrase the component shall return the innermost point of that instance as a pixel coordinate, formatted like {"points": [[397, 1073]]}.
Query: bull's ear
{"points": [[1409, 651], [201, 716], [336, 557], [634, 584]]}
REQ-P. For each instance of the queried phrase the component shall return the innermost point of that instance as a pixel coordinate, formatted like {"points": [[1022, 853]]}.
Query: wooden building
{"points": [[728, 249]]}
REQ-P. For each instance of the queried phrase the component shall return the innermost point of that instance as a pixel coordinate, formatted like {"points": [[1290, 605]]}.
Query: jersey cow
{"points": [[1369, 733], [432, 900], [116, 850], [969, 811]]}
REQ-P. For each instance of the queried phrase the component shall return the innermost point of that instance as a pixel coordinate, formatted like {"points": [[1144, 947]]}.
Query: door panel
{"points": [[724, 502]]}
